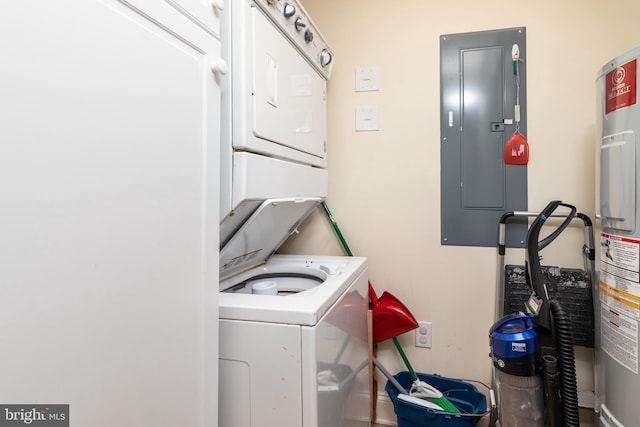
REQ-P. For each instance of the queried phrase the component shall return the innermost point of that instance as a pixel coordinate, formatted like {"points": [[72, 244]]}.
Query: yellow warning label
{"points": [[617, 294]]}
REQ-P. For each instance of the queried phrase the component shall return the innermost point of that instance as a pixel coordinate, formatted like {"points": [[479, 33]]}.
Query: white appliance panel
{"points": [[294, 21], [289, 99], [258, 177]]}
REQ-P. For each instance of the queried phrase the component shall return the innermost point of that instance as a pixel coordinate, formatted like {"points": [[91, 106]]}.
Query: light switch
{"points": [[367, 79], [367, 118]]}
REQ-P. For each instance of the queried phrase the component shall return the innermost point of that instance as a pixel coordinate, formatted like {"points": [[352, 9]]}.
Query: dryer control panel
{"points": [[294, 22]]}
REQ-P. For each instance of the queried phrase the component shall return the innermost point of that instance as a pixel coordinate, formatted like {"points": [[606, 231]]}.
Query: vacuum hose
{"points": [[551, 393], [554, 325], [566, 360]]}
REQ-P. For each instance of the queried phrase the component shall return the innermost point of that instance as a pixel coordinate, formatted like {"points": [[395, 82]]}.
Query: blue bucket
{"points": [[471, 403]]}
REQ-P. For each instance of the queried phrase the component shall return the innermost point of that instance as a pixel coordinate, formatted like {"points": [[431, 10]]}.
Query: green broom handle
{"points": [[414, 377], [337, 229]]}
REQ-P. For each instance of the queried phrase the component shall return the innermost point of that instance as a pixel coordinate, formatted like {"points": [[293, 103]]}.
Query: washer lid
{"points": [[263, 232]]}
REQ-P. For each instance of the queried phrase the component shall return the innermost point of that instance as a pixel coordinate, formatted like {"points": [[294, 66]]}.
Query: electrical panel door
{"points": [[479, 91]]}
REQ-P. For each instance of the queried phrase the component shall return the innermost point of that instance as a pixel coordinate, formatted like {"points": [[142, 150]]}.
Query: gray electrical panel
{"points": [[478, 83]]}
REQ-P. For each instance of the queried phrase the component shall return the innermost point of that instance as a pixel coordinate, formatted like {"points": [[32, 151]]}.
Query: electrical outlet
{"points": [[424, 334]]}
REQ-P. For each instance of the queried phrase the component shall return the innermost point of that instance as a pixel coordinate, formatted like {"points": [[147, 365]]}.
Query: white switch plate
{"points": [[367, 79], [367, 118], [424, 336]]}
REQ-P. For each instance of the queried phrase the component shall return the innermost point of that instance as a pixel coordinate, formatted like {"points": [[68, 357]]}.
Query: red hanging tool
{"points": [[516, 150]]}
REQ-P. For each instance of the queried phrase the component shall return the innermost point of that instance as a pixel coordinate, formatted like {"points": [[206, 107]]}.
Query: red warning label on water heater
{"points": [[620, 87]]}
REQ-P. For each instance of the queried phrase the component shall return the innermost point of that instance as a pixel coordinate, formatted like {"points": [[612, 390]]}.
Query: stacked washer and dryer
{"points": [[293, 328]]}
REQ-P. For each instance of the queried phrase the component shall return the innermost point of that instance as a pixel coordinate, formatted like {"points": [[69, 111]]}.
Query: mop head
{"points": [[425, 391]]}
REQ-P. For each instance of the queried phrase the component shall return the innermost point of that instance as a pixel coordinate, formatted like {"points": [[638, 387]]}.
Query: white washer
{"points": [[290, 359]]}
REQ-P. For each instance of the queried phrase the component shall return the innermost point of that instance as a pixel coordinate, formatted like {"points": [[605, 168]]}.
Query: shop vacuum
{"points": [[532, 353]]}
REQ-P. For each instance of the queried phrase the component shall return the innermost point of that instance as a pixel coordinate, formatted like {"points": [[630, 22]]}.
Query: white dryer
{"points": [[293, 330], [274, 133]]}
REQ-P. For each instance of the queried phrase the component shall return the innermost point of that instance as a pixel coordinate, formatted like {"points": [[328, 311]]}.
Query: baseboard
{"points": [[384, 409]]}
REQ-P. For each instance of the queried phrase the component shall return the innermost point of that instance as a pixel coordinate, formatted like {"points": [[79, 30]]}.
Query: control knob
{"points": [[325, 57], [308, 36], [289, 10], [299, 24]]}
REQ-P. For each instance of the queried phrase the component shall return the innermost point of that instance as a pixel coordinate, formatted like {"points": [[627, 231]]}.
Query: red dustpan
{"points": [[516, 150], [390, 316]]}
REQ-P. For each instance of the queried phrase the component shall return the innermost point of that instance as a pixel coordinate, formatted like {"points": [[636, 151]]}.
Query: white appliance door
{"points": [[289, 101]]}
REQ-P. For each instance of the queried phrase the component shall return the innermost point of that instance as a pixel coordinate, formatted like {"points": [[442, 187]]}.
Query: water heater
{"points": [[617, 194]]}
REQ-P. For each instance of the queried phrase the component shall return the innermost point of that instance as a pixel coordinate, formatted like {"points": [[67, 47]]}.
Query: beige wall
{"points": [[385, 186]]}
